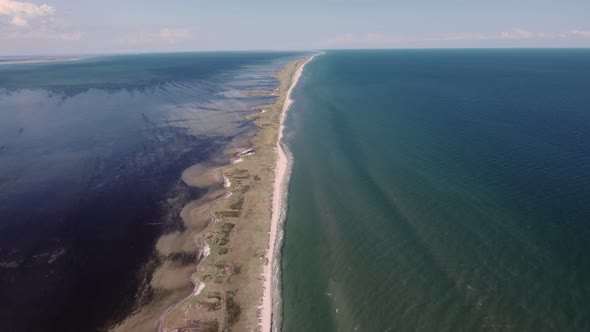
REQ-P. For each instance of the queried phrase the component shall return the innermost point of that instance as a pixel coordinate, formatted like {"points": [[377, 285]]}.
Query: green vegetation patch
{"points": [[237, 205], [233, 309], [244, 189], [227, 227], [229, 214]]}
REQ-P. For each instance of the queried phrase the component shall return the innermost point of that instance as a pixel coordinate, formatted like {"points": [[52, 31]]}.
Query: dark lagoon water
{"points": [[440, 190], [91, 153]]}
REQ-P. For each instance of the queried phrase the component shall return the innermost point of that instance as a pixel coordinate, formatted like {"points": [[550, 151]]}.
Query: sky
{"points": [[51, 27]]}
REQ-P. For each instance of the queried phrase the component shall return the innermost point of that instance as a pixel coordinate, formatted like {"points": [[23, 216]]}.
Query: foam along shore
{"points": [[278, 196]]}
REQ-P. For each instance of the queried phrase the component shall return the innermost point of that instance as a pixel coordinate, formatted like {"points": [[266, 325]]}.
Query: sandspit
{"points": [[235, 281], [281, 173]]}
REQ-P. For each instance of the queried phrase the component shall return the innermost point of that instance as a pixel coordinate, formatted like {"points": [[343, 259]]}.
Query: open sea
{"points": [[439, 190], [91, 156]]}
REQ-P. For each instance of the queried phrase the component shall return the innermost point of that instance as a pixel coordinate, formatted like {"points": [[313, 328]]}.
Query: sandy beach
{"points": [[233, 283], [281, 172]]}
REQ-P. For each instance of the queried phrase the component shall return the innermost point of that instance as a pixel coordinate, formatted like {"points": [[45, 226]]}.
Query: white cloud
{"points": [[345, 38], [380, 39], [32, 30], [368, 40], [53, 34], [465, 36], [517, 34], [173, 34], [9, 7], [579, 33], [20, 12], [548, 35], [19, 22], [513, 36], [162, 36], [70, 35]]}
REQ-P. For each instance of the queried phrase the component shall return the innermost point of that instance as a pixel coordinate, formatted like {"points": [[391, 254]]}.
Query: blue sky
{"points": [[107, 26]]}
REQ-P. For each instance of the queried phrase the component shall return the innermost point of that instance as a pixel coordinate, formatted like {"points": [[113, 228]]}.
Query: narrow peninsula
{"points": [[233, 282]]}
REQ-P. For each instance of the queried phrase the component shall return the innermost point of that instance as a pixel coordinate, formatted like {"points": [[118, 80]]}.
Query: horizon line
{"points": [[285, 51]]}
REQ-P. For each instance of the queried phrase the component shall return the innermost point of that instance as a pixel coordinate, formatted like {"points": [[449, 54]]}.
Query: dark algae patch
{"points": [[233, 310]]}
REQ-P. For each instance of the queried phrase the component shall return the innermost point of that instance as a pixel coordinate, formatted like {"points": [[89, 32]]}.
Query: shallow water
{"points": [[91, 156], [439, 190]]}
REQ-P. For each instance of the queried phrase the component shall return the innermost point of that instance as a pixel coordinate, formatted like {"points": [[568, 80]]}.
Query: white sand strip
{"points": [[281, 170]]}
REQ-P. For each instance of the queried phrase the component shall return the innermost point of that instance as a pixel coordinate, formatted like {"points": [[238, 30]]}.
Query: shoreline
{"points": [[192, 240], [282, 170], [232, 286], [203, 249]]}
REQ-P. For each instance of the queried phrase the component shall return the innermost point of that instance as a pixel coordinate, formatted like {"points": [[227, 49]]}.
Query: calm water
{"points": [[440, 190], [91, 153]]}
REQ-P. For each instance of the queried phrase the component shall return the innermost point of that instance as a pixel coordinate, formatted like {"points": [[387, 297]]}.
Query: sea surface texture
{"points": [[439, 190], [91, 154]]}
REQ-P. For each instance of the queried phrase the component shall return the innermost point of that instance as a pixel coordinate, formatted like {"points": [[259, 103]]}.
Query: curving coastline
{"points": [[233, 279], [200, 271], [198, 218], [282, 171], [202, 247]]}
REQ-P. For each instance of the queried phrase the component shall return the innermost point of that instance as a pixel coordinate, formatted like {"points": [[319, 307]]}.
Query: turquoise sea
{"points": [[439, 190]]}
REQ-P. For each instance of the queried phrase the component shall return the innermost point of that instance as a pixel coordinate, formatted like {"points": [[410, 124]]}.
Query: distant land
{"points": [[40, 59]]}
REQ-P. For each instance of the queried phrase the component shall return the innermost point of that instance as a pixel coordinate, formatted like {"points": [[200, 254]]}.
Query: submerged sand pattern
{"points": [[233, 285], [210, 276]]}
